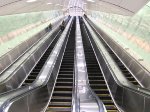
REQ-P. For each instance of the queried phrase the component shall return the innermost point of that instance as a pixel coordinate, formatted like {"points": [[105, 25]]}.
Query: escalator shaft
{"points": [[95, 76], [34, 73], [123, 69], [61, 100], [129, 76]]}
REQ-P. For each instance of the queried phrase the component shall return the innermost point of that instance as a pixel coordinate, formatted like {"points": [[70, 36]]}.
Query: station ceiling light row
{"points": [[49, 3]]}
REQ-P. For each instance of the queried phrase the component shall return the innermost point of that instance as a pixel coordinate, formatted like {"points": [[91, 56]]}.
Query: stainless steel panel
{"points": [[4, 62], [129, 99], [135, 67], [29, 64], [88, 101], [37, 96], [13, 54], [21, 48], [23, 69], [14, 81]]}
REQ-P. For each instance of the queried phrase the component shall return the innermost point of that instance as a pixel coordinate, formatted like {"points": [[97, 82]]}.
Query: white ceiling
{"points": [[125, 7]]}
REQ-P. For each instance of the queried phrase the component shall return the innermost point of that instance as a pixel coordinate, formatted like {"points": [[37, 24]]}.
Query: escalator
{"points": [[61, 100], [34, 73], [123, 69], [96, 79], [120, 64]]}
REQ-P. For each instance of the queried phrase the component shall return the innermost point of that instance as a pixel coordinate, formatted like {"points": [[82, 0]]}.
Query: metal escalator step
{"points": [[108, 102], [94, 74], [32, 76], [134, 82], [59, 109], [92, 70], [65, 69], [36, 70], [60, 104], [101, 91], [62, 93], [65, 79], [110, 107], [112, 110], [61, 99], [63, 88], [66, 72], [29, 80], [97, 86], [97, 81], [104, 95], [64, 84], [131, 79], [65, 75], [95, 78]]}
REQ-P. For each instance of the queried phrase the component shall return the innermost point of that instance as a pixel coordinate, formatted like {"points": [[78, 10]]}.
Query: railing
{"points": [[35, 98], [99, 102], [139, 71], [14, 54], [82, 83], [128, 98]]}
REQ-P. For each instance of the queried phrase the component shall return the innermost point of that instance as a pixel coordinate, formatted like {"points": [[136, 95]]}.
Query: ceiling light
{"points": [[59, 5], [49, 3], [31, 1], [90, 0]]}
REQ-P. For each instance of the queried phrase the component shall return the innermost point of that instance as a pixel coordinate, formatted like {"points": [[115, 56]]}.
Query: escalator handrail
{"points": [[139, 89], [8, 98], [1, 72], [75, 99], [99, 102], [4, 78], [77, 70], [141, 92]]}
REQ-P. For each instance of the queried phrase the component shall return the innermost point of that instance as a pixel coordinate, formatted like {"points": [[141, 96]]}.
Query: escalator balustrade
{"points": [[61, 100], [96, 79], [34, 73]]}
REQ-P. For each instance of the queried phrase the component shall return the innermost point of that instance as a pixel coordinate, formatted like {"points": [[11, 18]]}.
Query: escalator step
{"points": [[59, 109]]}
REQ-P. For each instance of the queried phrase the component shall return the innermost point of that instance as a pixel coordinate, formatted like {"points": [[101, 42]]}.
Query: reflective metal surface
{"points": [[86, 101], [9, 58], [140, 73], [17, 73], [35, 98], [127, 97]]}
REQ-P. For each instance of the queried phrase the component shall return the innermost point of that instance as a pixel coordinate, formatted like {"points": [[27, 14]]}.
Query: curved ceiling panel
{"points": [[124, 7]]}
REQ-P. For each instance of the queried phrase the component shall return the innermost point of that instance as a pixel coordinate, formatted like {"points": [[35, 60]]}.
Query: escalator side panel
{"points": [[95, 76], [61, 100]]}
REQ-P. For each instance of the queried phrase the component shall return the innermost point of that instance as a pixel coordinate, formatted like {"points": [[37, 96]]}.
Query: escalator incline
{"points": [[61, 100], [34, 73], [95, 76]]}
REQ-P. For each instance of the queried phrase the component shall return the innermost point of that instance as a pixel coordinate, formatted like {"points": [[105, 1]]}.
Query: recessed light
{"points": [[31, 1], [90, 0], [49, 3], [59, 5]]}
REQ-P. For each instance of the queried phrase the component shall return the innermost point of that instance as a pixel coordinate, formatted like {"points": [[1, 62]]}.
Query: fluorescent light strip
{"points": [[49, 3], [90, 0], [29, 1], [59, 5]]}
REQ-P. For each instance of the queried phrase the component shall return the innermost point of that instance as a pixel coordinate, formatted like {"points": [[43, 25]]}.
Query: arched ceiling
{"points": [[124, 7]]}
